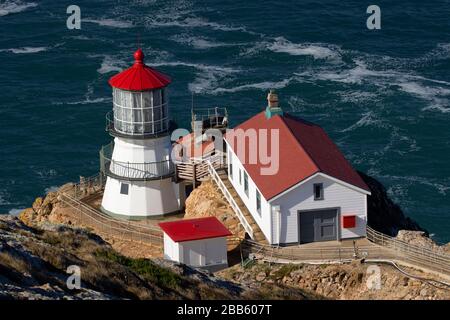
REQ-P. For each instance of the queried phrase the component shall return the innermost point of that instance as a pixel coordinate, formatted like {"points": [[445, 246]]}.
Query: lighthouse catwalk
{"points": [[140, 174]]}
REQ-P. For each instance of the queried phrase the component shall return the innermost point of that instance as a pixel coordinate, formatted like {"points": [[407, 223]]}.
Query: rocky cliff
{"points": [[34, 263]]}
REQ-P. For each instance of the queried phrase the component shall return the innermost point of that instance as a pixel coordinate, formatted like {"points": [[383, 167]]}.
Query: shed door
{"points": [[319, 225]]}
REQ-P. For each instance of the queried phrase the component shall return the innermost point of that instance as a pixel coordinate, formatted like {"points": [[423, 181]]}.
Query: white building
{"points": [[314, 195], [140, 174], [199, 243]]}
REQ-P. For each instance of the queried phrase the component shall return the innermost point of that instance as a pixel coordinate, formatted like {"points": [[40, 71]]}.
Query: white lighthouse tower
{"points": [[140, 174]]}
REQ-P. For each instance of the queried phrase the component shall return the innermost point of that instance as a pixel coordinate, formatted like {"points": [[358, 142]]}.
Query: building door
{"points": [[318, 225]]}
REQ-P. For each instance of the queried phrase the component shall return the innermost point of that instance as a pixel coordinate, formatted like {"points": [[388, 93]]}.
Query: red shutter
{"points": [[349, 221]]}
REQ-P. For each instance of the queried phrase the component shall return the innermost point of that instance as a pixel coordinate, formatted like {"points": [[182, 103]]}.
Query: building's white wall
{"points": [[144, 198], [142, 150], [349, 202], [205, 252], [171, 249], [264, 219]]}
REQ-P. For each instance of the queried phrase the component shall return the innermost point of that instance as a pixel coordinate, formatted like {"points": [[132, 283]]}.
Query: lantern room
{"points": [[140, 100]]}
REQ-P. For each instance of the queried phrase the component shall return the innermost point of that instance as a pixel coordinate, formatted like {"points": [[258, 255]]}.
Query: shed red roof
{"points": [[139, 77], [304, 149], [194, 229]]}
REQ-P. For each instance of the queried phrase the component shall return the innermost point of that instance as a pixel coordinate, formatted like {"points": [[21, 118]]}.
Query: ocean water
{"points": [[383, 95]]}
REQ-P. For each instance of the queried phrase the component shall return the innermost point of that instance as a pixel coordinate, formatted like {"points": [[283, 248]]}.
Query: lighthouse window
{"points": [[124, 188], [156, 98]]}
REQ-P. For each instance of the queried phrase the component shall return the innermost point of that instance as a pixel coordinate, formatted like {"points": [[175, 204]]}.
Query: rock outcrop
{"points": [[34, 262], [342, 281], [206, 201]]}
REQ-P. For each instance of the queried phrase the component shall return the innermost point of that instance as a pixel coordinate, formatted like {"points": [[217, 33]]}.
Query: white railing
{"points": [[216, 178], [421, 255]]}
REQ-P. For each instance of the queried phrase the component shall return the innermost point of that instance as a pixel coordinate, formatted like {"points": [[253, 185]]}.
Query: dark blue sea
{"points": [[382, 95]]}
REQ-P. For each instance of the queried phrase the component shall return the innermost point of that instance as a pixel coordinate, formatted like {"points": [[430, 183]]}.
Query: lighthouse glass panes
{"points": [[138, 113]]}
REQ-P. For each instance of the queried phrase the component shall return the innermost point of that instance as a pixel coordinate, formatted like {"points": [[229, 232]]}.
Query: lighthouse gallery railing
{"points": [[133, 171]]}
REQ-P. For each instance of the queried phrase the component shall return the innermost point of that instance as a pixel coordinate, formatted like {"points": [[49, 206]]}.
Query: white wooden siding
{"points": [[349, 202], [263, 219]]}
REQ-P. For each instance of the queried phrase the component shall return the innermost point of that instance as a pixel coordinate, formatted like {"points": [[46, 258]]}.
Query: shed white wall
{"points": [[197, 253], [205, 252], [336, 195], [263, 219], [171, 249]]}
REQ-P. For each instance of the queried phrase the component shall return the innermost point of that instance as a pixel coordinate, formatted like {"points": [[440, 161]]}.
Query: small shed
{"points": [[199, 243]]}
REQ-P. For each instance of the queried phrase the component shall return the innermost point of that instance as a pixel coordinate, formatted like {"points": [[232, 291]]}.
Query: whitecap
{"points": [[110, 23], [265, 85], [51, 189], [192, 22], [110, 64], [318, 51], [9, 7], [25, 50], [202, 43], [368, 119], [207, 77]]}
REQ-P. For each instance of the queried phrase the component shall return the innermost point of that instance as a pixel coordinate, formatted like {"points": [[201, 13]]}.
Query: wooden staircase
{"points": [[257, 233]]}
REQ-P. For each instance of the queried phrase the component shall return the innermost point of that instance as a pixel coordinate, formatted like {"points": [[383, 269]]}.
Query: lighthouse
{"points": [[140, 173]]}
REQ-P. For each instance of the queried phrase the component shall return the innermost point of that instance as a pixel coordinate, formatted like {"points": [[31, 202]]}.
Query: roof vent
{"points": [[273, 107]]}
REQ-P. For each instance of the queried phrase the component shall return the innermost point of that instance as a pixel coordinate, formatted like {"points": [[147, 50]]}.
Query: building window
{"points": [[124, 188], [258, 202], [318, 191], [240, 177], [231, 170], [246, 183]]}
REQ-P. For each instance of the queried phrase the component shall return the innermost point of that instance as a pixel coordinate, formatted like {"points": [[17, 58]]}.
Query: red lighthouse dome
{"points": [[139, 77]]}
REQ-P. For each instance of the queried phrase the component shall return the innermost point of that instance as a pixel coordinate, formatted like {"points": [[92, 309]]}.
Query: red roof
{"points": [[194, 229], [195, 150], [304, 150], [139, 77]]}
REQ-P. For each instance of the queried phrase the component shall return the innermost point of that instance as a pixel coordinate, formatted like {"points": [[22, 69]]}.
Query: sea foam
{"points": [[9, 7]]}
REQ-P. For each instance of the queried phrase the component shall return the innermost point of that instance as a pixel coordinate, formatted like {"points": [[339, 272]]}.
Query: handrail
{"points": [[417, 254], [133, 170], [215, 176]]}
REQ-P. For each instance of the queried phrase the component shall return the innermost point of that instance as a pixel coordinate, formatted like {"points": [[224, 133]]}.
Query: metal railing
{"points": [[211, 117], [320, 254], [85, 215], [133, 171], [415, 254], [216, 178]]}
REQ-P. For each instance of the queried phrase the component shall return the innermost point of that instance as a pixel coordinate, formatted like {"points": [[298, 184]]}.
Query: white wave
{"points": [[16, 211], [202, 43], [318, 51], [25, 50], [191, 22], [110, 64], [82, 102], [110, 23], [260, 86], [436, 92], [207, 76], [51, 189], [9, 7], [368, 119]]}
